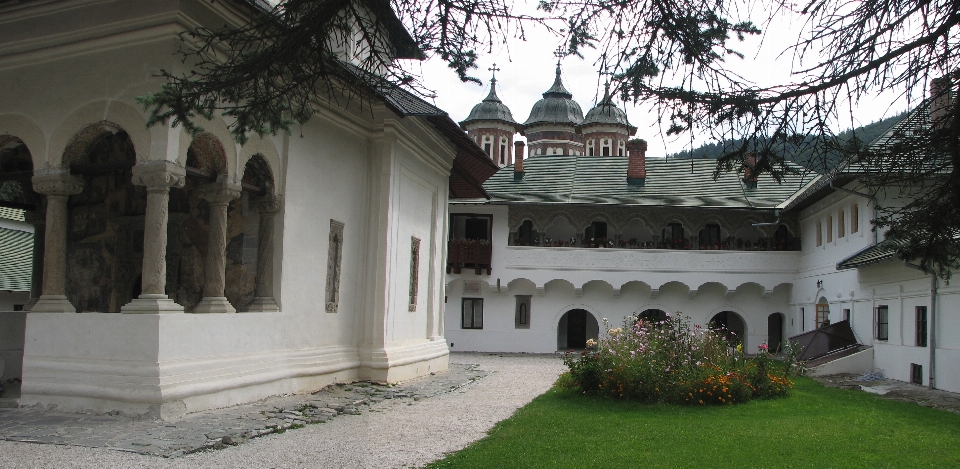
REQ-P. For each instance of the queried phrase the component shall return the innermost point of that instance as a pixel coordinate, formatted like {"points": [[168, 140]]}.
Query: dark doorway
{"points": [[775, 332], [729, 324], [577, 329]]}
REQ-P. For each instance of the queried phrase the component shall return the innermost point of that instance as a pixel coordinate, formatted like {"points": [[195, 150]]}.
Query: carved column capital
{"points": [[55, 184], [269, 203], [160, 174], [220, 193]]}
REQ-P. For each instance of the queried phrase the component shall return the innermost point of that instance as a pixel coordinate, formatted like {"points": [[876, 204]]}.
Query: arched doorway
{"points": [[653, 315], [775, 331], [823, 313], [575, 328], [731, 325]]}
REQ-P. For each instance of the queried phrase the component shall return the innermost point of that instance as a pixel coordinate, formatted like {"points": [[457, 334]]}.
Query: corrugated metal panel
{"points": [[602, 180], [16, 259], [11, 213]]}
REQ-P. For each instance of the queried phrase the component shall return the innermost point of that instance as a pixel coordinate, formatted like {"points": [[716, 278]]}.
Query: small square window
{"points": [[882, 316], [916, 373], [472, 313]]}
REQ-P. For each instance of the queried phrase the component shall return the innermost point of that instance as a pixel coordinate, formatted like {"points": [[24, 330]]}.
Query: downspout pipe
{"points": [[932, 327], [876, 234]]}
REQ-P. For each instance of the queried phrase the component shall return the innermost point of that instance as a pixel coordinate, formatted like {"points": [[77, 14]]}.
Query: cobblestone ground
{"points": [[895, 390], [221, 427]]}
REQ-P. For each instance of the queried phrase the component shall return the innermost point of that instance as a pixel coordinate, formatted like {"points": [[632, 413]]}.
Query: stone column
{"points": [[158, 177], [58, 187], [267, 206], [218, 196]]}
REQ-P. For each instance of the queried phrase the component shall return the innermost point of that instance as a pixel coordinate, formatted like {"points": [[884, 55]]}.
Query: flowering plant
{"points": [[672, 361]]}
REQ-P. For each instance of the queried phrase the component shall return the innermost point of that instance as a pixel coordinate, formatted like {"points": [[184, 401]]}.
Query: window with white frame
{"points": [[522, 316], [471, 313], [883, 322]]}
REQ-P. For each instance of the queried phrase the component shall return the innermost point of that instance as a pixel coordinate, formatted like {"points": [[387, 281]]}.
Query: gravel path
{"points": [[389, 435]]}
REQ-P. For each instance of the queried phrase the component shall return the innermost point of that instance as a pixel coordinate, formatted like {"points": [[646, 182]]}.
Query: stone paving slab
{"points": [[895, 390], [218, 428]]}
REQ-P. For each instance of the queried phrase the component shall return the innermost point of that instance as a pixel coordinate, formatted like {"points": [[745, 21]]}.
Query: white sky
{"points": [[527, 70]]}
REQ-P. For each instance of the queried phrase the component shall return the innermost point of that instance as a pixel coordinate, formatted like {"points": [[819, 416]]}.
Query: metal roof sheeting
{"points": [[883, 251], [602, 180], [16, 259]]}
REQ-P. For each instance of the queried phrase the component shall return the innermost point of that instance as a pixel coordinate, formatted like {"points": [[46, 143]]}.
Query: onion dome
{"points": [[607, 113], [490, 109], [556, 107]]}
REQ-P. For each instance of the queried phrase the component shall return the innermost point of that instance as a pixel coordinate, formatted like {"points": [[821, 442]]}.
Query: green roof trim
{"points": [[602, 180], [16, 259], [883, 251]]}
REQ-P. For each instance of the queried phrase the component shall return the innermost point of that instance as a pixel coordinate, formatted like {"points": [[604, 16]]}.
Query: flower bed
{"points": [[675, 362]]}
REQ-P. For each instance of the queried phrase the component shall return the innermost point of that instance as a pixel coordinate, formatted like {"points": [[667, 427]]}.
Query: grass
{"points": [[815, 427]]}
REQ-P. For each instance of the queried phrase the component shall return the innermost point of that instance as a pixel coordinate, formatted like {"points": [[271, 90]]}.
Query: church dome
{"points": [[490, 109], [556, 107], [607, 113]]}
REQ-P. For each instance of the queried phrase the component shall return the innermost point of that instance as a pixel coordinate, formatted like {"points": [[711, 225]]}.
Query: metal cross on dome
{"points": [[494, 69], [559, 54]]}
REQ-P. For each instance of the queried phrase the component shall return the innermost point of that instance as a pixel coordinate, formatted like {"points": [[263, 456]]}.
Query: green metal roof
{"points": [[882, 251], [602, 180], [16, 259]]}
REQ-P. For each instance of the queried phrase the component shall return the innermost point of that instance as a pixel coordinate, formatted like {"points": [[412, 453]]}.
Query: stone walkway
{"points": [[896, 390], [220, 427]]}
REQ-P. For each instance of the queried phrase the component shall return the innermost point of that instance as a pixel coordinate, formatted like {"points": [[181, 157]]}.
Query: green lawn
{"points": [[814, 427]]}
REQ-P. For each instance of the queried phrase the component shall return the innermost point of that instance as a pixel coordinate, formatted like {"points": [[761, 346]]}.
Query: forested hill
{"points": [[867, 133]]}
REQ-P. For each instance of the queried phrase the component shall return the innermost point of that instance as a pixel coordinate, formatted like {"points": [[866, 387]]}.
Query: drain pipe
{"points": [[775, 223], [932, 336], [876, 233]]}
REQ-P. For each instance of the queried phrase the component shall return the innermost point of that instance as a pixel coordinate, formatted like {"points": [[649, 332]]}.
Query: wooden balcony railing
{"points": [[469, 253]]}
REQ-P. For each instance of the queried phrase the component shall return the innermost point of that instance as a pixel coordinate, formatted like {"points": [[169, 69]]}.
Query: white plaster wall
{"points": [[612, 284], [104, 55]]}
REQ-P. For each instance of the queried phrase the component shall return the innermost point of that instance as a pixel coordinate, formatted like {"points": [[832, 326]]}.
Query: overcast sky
{"points": [[527, 70]]}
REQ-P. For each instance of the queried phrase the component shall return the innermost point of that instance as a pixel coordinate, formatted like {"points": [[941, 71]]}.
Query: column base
{"points": [[263, 304], [151, 304], [214, 304], [53, 304]]}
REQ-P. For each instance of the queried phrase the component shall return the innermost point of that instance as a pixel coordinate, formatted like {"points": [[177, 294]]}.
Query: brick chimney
{"points": [[942, 103], [518, 160], [749, 176], [637, 162]]}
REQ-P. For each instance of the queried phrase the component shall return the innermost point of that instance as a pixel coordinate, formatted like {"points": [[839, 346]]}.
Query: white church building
{"points": [[174, 273], [587, 228]]}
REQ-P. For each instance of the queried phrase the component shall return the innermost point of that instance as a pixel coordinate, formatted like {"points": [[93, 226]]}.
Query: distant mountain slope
{"points": [[866, 134]]}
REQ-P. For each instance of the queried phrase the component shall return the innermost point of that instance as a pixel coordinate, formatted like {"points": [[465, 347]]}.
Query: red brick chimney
{"points": [[637, 162], [749, 176], [942, 103], [518, 160]]}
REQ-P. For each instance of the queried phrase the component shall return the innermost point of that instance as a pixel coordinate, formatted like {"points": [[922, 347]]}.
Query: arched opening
{"points": [[575, 328], [250, 238], [595, 234], [711, 236], [653, 315], [750, 238], [526, 235], [23, 251], [561, 232], [636, 235], [106, 220], [775, 323], [673, 236], [731, 325], [823, 313], [190, 221], [783, 240]]}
